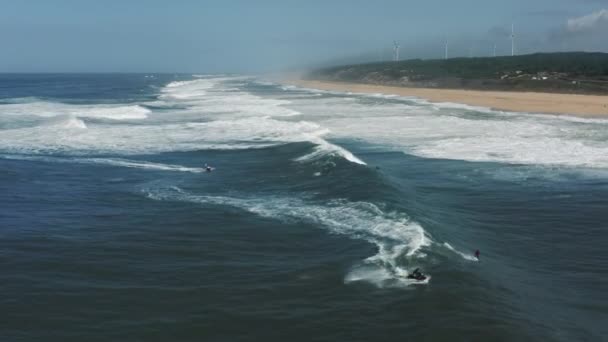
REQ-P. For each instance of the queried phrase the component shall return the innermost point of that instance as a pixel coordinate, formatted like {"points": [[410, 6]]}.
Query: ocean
{"points": [[319, 205]]}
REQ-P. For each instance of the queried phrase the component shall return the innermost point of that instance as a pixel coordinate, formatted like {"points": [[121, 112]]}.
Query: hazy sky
{"points": [[248, 36]]}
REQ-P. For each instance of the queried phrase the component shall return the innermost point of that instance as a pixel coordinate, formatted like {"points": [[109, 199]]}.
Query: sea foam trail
{"points": [[141, 165], [396, 236], [465, 256]]}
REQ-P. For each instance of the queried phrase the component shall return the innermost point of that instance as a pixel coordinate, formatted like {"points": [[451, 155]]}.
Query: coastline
{"points": [[531, 102]]}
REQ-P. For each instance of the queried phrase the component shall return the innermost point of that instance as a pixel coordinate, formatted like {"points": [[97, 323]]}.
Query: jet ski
{"points": [[416, 275], [419, 277]]}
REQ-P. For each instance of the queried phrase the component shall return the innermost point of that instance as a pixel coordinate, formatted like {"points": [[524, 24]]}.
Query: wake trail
{"points": [[111, 162], [469, 257], [399, 239]]}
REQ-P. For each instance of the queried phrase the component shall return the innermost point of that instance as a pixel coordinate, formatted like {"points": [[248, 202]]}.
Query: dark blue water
{"points": [[319, 205]]}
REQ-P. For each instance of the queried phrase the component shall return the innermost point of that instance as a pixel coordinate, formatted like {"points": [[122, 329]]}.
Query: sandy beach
{"points": [[548, 103]]}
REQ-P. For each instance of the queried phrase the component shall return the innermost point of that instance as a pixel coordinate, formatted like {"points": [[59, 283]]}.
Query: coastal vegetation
{"points": [[571, 72]]}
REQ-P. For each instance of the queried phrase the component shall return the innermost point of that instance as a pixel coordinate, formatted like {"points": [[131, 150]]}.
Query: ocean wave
{"points": [[324, 149], [249, 133]]}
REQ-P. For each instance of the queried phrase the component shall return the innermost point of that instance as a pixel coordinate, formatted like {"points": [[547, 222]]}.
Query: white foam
{"points": [[140, 139], [453, 105], [184, 90], [324, 149], [265, 83], [468, 257], [519, 150], [570, 118], [139, 164], [50, 109], [142, 165], [67, 122], [207, 75], [378, 276], [395, 235], [210, 96], [461, 132]]}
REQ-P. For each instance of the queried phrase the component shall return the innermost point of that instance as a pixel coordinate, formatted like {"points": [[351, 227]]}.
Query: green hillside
{"points": [[559, 72]]}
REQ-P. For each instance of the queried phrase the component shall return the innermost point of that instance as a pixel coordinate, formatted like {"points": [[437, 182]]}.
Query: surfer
{"points": [[208, 168], [477, 254]]}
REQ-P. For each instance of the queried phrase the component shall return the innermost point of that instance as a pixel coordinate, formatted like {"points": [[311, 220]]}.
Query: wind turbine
{"points": [[395, 50], [446, 49], [512, 39], [494, 50]]}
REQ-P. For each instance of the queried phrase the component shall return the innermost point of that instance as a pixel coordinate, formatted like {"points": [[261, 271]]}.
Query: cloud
{"points": [[584, 33], [551, 13], [588, 22]]}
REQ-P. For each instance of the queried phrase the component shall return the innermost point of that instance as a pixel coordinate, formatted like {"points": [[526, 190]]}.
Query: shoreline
{"points": [[527, 102]]}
